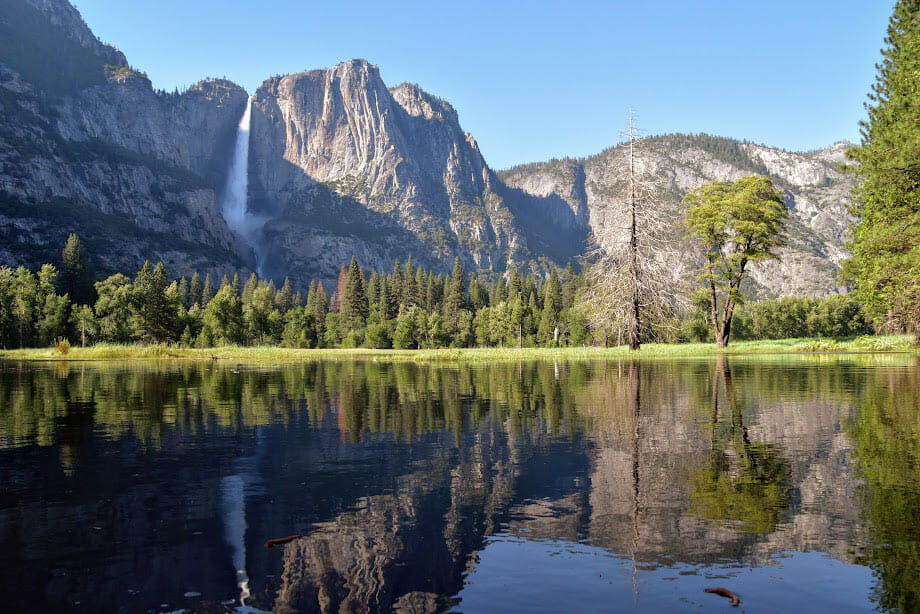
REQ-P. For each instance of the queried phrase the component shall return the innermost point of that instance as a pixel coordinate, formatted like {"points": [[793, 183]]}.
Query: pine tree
{"points": [[408, 287], [284, 299], [153, 313], [207, 291], [354, 299], [194, 291], [251, 284], [396, 287], [456, 293], [183, 292], [75, 280], [515, 284], [548, 331], [886, 240], [341, 282]]}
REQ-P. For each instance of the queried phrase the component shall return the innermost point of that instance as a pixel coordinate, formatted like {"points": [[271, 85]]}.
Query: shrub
{"points": [[62, 346]]}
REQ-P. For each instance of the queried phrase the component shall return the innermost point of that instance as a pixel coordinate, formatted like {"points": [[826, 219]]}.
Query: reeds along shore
{"points": [[868, 344]]}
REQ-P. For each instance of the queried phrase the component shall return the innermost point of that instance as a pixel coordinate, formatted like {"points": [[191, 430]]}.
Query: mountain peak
{"points": [[63, 15], [419, 103]]}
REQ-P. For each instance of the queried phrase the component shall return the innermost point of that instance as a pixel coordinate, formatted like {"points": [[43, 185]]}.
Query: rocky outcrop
{"points": [[345, 166], [340, 165], [817, 193], [87, 145]]}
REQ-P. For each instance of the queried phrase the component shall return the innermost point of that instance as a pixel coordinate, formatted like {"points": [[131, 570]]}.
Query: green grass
{"points": [[863, 345]]}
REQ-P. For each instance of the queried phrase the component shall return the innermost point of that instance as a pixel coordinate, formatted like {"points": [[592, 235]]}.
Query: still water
{"points": [[559, 487]]}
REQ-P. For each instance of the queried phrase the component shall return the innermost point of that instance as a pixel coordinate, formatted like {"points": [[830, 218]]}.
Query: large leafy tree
{"points": [[737, 223], [886, 240]]}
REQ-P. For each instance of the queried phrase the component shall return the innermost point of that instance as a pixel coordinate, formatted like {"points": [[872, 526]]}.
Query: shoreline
{"points": [[901, 344]]}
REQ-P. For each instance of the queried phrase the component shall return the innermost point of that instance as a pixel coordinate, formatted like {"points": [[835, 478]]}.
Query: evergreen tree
{"points": [[479, 298], [373, 294], [396, 287], [530, 318], [251, 284], [75, 278], [194, 291], [886, 240], [207, 291], [153, 313], [515, 284], [341, 282], [518, 316], [354, 300], [548, 331], [569, 286], [284, 299], [183, 292], [408, 286], [456, 292], [235, 284], [318, 307]]}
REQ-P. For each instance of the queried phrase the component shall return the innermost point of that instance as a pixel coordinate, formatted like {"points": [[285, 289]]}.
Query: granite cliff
{"points": [[340, 164], [87, 145]]}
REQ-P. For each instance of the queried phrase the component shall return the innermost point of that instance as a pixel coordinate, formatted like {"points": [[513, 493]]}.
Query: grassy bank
{"points": [[651, 350]]}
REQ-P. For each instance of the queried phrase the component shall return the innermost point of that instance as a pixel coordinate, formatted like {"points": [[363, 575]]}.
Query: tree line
{"points": [[406, 308]]}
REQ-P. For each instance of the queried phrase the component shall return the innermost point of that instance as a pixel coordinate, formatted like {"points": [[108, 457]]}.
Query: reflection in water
{"points": [[231, 490], [424, 488]]}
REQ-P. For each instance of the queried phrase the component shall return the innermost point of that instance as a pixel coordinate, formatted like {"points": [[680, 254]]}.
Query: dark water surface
{"points": [[557, 487]]}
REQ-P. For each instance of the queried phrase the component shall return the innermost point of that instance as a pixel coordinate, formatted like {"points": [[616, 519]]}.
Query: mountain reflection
{"points": [[174, 476]]}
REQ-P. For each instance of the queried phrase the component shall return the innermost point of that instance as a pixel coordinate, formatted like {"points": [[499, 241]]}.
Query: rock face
{"points": [[87, 145], [817, 194], [339, 165], [345, 166]]}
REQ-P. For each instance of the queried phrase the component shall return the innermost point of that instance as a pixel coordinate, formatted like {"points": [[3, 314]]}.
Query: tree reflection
{"points": [[745, 483], [887, 438]]}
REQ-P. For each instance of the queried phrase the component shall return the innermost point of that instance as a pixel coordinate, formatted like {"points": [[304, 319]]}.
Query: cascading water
{"points": [[233, 207]]}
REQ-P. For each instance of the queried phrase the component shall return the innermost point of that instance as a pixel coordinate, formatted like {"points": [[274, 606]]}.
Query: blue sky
{"points": [[535, 80]]}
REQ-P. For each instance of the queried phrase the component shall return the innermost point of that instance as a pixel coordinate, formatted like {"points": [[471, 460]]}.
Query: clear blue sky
{"points": [[533, 80]]}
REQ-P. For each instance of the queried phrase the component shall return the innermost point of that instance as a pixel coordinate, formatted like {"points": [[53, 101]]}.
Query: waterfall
{"points": [[241, 221]]}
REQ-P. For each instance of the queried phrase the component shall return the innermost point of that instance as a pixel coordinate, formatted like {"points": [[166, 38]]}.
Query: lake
{"points": [[793, 482]]}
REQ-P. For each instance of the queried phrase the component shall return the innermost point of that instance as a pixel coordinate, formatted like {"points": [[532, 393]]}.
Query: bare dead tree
{"points": [[636, 265]]}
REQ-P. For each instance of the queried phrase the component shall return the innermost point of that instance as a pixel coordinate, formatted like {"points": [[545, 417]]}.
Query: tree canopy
{"points": [[886, 240], [736, 223]]}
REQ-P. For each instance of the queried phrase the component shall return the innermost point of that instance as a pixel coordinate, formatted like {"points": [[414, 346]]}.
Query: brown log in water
{"points": [[724, 592]]}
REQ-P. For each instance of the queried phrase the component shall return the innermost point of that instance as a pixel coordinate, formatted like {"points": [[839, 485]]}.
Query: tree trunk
{"points": [[633, 249]]}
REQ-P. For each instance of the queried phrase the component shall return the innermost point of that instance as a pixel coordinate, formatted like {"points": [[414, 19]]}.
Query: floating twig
{"points": [[724, 592]]}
